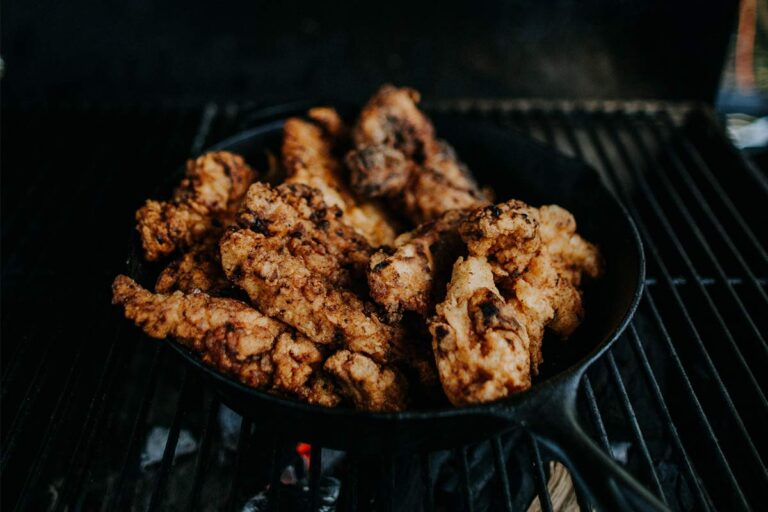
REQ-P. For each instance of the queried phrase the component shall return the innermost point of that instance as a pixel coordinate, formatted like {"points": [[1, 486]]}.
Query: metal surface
{"points": [[63, 344]]}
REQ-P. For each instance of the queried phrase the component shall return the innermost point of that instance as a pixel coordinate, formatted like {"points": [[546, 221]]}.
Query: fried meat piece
{"points": [[298, 371], [278, 276], [538, 259], [571, 254], [232, 337], [207, 197], [413, 277], [507, 234], [228, 334], [198, 269], [308, 159], [391, 118], [370, 386], [396, 155], [479, 341], [299, 211], [441, 184]]}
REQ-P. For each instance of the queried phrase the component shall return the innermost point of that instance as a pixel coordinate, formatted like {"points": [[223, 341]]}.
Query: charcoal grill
{"points": [[679, 400]]}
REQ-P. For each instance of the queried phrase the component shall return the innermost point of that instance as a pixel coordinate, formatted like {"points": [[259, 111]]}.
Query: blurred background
{"points": [[117, 52]]}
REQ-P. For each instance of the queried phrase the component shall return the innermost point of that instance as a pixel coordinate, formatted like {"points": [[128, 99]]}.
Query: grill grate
{"points": [[680, 399]]}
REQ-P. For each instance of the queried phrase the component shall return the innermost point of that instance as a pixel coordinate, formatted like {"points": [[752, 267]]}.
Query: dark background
{"points": [[145, 51]]}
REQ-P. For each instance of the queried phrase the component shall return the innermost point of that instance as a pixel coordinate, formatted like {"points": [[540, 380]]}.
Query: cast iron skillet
{"points": [[513, 167]]}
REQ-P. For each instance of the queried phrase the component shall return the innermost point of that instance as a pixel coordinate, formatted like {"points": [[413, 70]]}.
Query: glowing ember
{"points": [[304, 450]]}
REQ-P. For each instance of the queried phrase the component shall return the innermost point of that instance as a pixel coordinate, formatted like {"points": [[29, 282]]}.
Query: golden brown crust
{"points": [[230, 335], [479, 342], [538, 259], [571, 254], [308, 159], [206, 199], [507, 234], [413, 277], [369, 385], [198, 269], [397, 155], [277, 277], [298, 211]]}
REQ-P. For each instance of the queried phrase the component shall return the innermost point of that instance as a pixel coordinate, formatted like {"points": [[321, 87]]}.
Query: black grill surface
{"points": [[97, 417]]}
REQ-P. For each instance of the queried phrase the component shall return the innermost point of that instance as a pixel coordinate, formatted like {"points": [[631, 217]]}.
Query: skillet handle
{"points": [[605, 482]]}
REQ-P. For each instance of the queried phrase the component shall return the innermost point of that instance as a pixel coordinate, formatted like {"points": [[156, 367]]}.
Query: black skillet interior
{"points": [[514, 167]]}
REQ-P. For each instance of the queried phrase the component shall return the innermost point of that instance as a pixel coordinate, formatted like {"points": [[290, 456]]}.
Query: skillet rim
{"points": [[573, 371]]}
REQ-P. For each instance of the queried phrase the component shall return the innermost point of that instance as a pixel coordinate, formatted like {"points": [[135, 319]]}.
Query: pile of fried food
{"points": [[316, 288]]}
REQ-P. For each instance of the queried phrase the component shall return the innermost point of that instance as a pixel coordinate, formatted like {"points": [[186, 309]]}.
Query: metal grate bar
{"points": [[63, 404], [597, 418], [501, 472], [649, 195], [170, 446], [568, 123], [29, 398], [202, 453], [540, 477], [350, 486], [146, 403], [684, 310], [461, 455], [693, 187], [597, 145], [661, 403], [315, 472], [629, 411], [237, 468], [426, 478], [684, 254], [693, 397], [703, 168]]}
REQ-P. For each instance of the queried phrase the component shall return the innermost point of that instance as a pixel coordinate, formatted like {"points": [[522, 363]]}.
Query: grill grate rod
{"points": [[704, 170], [704, 499], [206, 434], [461, 456], [629, 411], [243, 443], [538, 473], [600, 150], [681, 304], [645, 187], [114, 497], [426, 478], [692, 186], [501, 471], [170, 446]]}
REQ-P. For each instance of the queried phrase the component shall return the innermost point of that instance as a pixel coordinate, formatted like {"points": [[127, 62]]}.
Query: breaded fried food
{"points": [[308, 158], [397, 156], [571, 255], [232, 337], [538, 260], [206, 199], [506, 234], [298, 211], [198, 269], [414, 275], [370, 385], [479, 341], [280, 277]]}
